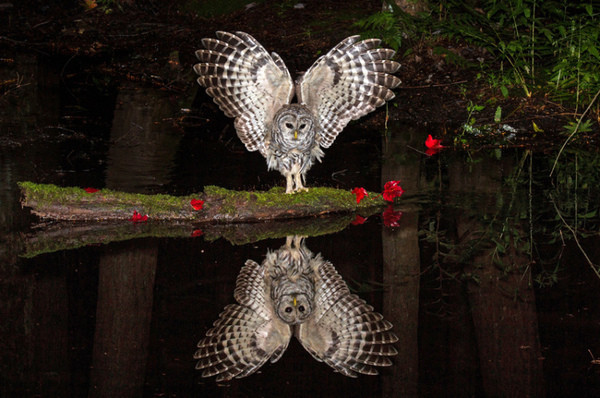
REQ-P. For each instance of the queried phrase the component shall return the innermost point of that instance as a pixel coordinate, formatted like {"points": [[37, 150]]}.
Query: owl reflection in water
{"points": [[256, 89], [294, 292]]}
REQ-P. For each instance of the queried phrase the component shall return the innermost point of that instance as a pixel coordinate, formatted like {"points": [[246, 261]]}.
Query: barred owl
{"points": [[294, 292], [256, 89]]}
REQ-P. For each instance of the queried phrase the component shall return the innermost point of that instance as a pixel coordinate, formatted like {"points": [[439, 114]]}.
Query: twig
{"points": [[574, 131], [594, 266]]}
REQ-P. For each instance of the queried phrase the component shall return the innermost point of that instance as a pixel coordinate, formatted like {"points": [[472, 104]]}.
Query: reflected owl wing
{"points": [[246, 335], [348, 82], [345, 333], [246, 82]]}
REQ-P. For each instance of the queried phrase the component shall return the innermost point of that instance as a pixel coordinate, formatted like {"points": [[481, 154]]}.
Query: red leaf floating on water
{"points": [[137, 217], [197, 204], [90, 190], [391, 218], [391, 190], [433, 145], [197, 232], [360, 193], [358, 220], [432, 151]]}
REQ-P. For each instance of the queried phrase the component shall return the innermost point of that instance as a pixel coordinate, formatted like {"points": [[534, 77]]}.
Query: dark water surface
{"points": [[488, 291]]}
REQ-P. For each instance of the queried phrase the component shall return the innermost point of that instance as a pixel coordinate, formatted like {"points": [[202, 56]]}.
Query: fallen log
{"points": [[220, 205]]}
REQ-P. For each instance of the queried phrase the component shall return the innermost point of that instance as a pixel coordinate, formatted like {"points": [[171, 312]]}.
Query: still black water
{"points": [[489, 292]]}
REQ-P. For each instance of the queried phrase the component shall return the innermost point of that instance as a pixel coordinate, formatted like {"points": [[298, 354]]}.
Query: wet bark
{"points": [[123, 316], [34, 324], [127, 274], [64, 236], [502, 301], [401, 265]]}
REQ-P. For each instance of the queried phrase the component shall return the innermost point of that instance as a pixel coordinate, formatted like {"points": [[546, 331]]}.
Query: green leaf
{"points": [[589, 9], [536, 128], [594, 51], [504, 91], [591, 214], [498, 114]]}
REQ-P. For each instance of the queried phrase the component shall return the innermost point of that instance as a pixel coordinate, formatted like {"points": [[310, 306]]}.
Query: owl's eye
{"points": [[302, 126], [301, 308], [288, 309], [289, 125]]}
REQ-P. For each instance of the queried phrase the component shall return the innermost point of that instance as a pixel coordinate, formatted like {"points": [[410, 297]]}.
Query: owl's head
{"points": [[294, 308], [294, 127]]}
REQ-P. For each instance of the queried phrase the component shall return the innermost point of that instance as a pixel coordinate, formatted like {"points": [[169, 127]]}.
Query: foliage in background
{"points": [[385, 25], [523, 221], [544, 47], [540, 45]]}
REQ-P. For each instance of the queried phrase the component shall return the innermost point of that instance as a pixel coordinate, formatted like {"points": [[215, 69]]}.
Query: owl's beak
{"points": [[295, 137], [294, 301]]}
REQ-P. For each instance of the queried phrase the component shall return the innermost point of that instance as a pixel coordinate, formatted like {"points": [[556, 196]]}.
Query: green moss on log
{"points": [[221, 205]]}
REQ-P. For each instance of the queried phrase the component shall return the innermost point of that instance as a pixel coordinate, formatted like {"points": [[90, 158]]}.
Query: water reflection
{"points": [[295, 292], [485, 279]]}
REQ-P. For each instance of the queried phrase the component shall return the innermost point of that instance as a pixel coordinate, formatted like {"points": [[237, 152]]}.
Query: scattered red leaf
{"points": [[391, 218], [197, 204], [137, 217], [433, 145], [359, 220], [360, 193], [90, 190], [391, 190], [197, 232]]}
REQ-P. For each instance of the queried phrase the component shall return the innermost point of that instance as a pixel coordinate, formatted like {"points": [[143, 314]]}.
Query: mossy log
{"points": [[220, 205]]}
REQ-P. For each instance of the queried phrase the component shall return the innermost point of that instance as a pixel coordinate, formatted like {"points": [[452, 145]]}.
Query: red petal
{"points": [[137, 217], [197, 232], [391, 190], [360, 193], [432, 151], [391, 218], [90, 190], [358, 220], [433, 143], [197, 204]]}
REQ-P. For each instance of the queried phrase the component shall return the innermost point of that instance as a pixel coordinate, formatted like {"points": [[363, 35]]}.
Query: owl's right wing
{"points": [[247, 83], [344, 332], [246, 335]]}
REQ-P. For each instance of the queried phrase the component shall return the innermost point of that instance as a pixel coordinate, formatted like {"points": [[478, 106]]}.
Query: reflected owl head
{"points": [[294, 308]]}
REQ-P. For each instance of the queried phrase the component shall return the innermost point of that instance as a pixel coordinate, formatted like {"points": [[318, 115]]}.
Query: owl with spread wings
{"points": [[294, 292], [256, 89]]}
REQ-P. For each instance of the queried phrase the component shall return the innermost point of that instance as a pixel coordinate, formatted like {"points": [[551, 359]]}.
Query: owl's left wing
{"points": [[246, 335], [348, 82], [247, 83], [344, 332]]}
